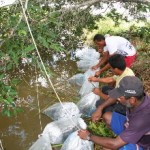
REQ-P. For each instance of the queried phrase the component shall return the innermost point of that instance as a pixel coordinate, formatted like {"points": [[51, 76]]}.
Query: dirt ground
{"points": [[141, 67]]}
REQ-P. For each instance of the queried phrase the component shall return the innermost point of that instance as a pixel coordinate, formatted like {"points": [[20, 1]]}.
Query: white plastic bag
{"points": [[88, 58], [88, 86], [58, 111], [87, 53], [59, 130], [84, 65], [43, 143], [87, 104], [74, 142], [77, 79]]}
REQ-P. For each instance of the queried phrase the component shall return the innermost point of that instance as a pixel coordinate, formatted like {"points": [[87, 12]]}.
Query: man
{"points": [[113, 45], [118, 66], [135, 127]]}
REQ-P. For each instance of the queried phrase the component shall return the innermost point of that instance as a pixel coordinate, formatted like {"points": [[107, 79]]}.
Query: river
{"points": [[19, 133]]}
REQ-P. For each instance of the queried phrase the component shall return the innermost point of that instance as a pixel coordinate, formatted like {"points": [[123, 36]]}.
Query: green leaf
{"points": [[12, 93], [9, 66], [43, 41], [29, 48], [22, 33], [2, 76], [14, 82]]}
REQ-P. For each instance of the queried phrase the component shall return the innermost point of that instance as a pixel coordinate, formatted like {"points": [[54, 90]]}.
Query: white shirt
{"points": [[119, 45]]}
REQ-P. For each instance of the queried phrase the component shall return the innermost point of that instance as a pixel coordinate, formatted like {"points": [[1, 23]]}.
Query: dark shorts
{"points": [[117, 125], [117, 107]]}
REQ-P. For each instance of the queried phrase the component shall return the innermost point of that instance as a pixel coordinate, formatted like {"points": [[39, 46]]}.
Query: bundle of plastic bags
{"points": [[64, 110], [56, 132]]}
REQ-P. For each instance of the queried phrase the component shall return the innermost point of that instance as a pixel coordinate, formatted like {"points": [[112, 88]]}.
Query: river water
{"points": [[35, 94]]}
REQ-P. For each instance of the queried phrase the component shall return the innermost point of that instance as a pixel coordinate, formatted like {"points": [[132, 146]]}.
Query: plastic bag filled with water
{"points": [[77, 79], [88, 57], [87, 53], [43, 143], [84, 65], [74, 142], [87, 86], [64, 110], [56, 132], [87, 104]]}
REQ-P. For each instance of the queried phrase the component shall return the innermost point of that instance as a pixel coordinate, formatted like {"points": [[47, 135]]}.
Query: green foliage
{"points": [[116, 17], [131, 31], [100, 129], [142, 32], [8, 96]]}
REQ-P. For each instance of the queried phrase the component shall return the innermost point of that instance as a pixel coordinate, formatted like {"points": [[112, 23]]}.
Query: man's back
{"points": [[119, 45]]}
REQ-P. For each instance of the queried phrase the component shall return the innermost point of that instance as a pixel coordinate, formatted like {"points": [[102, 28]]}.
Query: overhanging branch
{"points": [[92, 2]]}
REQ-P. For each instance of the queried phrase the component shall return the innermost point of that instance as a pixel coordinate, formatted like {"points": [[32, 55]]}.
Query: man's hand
{"points": [[97, 73], [93, 79], [83, 134], [96, 91], [95, 67], [100, 50], [96, 115]]}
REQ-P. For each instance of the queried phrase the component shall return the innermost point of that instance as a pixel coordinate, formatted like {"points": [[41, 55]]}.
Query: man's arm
{"points": [[111, 143], [103, 80], [98, 113], [97, 91], [102, 60], [106, 67]]}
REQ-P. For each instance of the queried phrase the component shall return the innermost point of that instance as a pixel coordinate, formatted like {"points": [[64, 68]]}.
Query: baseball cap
{"points": [[129, 86]]}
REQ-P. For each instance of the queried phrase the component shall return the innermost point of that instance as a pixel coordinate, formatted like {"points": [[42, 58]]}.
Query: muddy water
{"points": [[19, 133]]}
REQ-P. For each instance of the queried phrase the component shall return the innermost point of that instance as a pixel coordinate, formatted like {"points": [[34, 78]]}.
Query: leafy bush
{"points": [[100, 129]]}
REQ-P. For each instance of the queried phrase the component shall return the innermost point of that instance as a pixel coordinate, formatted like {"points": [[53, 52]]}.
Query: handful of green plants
{"points": [[100, 129]]}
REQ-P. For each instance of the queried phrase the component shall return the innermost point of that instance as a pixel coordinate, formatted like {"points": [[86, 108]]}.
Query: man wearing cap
{"points": [[133, 130]]}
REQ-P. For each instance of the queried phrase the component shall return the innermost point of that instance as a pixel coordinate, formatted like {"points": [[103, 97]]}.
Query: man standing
{"points": [[135, 127], [113, 45]]}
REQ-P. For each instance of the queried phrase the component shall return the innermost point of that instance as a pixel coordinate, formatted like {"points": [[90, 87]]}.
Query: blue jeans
{"points": [[117, 125]]}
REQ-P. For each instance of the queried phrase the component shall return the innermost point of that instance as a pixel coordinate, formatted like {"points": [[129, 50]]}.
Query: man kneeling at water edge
{"points": [[133, 130]]}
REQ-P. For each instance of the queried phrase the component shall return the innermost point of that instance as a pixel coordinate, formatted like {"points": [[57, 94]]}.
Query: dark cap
{"points": [[129, 86]]}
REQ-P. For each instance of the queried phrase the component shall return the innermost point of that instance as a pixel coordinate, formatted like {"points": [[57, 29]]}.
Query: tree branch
{"points": [[92, 2]]}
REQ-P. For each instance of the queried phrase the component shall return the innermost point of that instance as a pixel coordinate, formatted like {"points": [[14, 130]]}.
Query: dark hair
{"points": [[98, 37], [139, 98], [117, 61]]}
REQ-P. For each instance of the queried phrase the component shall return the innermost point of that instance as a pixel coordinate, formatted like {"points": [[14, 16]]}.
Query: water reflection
{"points": [[18, 133]]}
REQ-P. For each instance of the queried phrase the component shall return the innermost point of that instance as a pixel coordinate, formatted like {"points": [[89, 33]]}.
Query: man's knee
{"points": [[106, 89], [107, 117]]}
